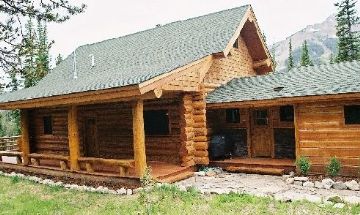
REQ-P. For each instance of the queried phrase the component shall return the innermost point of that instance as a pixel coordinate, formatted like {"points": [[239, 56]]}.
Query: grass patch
{"points": [[24, 197]]}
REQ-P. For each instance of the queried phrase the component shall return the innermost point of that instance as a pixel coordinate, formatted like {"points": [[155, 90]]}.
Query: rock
{"points": [[318, 185], [339, 205], [327, 183], [292, 174], [352, 200], [313, 198], [59, 183], [303, 179], [339, 186], [285, 177], [334, 199], [199, 173], [137, 190], [352, 185], [47, 181], [210, 173], [290, 180], [129, 192], [182, 188], [308, 184], [298, 183]]}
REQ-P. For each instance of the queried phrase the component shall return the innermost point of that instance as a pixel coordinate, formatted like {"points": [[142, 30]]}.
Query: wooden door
{"points": [[261, 133], [91, 143]]}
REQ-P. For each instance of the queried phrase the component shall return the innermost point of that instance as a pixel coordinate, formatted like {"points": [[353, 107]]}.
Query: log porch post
{"points": [[74, 140], [139, 137], [25, 145]]}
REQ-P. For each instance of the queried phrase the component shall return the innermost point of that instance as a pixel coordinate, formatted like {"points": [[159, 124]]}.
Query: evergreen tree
{"points": [[349, 41], [42, 53], [273, 58], [290, 59], [305, 57], [28, 53], [332, 61], [59, 59]]}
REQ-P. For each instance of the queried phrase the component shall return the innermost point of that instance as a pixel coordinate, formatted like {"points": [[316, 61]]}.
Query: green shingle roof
{"points": [[328, 79], [138, 57]]}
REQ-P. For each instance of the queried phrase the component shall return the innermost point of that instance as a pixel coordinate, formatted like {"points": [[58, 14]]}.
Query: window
{"points": [[236, 44], [156, 122], [352, 114], [232, 115], [287, 113], [261, 117], [48, 128]]}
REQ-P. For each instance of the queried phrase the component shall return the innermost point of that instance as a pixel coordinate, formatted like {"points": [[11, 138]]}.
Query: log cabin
{"points": [[157, 98]]}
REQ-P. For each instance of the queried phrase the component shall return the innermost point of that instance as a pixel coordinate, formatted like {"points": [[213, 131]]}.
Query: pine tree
{"points": [[332, 61], [290, 59], [59, 59], [42, 53], [273, 58], [305, 57], [28, 53], [349, 41]]}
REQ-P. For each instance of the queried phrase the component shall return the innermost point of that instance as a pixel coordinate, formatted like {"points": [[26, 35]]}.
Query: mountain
{"points": [[322, 42]]}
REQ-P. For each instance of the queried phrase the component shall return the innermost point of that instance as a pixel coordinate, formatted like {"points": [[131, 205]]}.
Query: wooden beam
{"points": [[296, 125], [74, 138], [25, 144], [260, 63], [139, 137]]}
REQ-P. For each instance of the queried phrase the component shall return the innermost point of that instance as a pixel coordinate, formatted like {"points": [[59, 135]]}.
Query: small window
{"points": [[48, 128], [261, 117], [236, 44], [352, 114], [232, 115], [156, 122], [287, 113]]}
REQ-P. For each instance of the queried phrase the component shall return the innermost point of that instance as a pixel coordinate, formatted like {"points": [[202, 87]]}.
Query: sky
{"points": [[103, 20]]}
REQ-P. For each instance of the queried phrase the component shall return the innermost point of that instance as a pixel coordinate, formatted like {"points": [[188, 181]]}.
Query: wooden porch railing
{"points": [[123, 165], [9, 146]]}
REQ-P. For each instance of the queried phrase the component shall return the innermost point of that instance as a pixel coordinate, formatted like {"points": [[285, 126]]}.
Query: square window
{"points": [[47, 122], [287, 113], [156, 122], [352, 114], [232, 115], [261, 117]]}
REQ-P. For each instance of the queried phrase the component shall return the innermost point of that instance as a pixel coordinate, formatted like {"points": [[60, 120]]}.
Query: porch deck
{"points": [[256, 165]]}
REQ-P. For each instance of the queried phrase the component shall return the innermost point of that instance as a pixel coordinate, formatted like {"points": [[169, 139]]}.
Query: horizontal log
{"points": [[49, 156], [10, 153], [110, 162]]}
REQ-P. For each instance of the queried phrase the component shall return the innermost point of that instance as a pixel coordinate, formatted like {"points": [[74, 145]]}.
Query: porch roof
{"points": [[138, 57], [327, 79]]}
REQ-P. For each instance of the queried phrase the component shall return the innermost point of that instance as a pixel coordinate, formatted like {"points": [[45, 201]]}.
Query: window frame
{"points": [[234, 120], [168, 126], [256, 118], [344, 116], [48, 119]]}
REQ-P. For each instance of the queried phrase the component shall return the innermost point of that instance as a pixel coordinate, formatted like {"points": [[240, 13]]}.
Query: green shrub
{"points": [[303, 164], [334, 166]]}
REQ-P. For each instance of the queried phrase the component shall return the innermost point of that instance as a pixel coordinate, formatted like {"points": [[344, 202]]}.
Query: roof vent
{"points": [[92, 60], [278, 89], [158, 25], [74, 66]]}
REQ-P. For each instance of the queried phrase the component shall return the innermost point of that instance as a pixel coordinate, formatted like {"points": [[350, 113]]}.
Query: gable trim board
{"points": [[65, 88]]}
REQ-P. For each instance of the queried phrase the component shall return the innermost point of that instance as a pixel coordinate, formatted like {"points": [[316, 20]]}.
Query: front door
{"points": [[261, 135], [91, 143]]}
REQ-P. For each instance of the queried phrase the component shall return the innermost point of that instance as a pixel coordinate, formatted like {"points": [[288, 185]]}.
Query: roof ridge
{"points": [[142, 31]]}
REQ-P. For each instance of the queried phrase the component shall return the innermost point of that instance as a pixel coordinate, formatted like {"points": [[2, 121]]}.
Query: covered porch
{"points": [[256, 139], [115, 139]]}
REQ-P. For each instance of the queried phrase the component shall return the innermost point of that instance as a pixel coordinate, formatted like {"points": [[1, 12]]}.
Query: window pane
{"points": [[232, 115], [156, 122], [352, 114], [47, 120], [287, 113], [261, 117]]}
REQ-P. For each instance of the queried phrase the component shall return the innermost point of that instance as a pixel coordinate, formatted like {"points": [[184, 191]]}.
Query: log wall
{"points": [[56, 143], [322, 133], [237, 64]]}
